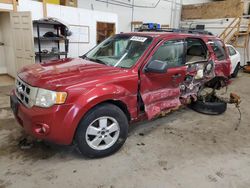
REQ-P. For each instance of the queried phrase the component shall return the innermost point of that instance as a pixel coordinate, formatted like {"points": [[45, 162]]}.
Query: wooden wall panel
{"points": [[213, 10], [6, 1]]}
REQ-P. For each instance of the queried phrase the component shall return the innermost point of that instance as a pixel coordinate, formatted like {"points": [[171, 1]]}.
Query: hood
{"points": [[65, 72]]}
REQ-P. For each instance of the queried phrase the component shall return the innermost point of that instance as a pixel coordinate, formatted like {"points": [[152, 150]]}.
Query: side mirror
{"points": [[156, 66]]}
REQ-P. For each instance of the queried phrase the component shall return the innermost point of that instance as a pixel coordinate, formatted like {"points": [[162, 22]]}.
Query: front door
{"points": [[23, 38], [160, 91]]}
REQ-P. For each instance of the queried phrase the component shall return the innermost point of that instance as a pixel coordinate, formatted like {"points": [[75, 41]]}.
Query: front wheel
{"points": [[102, 131]]}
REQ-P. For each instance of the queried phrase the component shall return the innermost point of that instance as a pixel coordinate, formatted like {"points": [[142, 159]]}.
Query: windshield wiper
{"points": [[97, 61], [91, 59], [84, 57]]}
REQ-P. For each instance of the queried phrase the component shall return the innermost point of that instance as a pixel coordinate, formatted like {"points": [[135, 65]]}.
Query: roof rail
{"points": [[174, 30]]}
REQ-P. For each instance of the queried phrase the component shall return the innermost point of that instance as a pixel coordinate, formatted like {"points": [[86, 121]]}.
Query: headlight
{"points": [[46, 98]]}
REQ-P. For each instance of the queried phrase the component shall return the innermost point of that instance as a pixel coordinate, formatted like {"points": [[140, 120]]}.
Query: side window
{"points": [[231, 51], [219, 50], [171, 52], [196, 51]]}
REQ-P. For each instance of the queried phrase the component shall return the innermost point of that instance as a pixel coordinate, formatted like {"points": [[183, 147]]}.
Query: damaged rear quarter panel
{"points": [[222, 67]]}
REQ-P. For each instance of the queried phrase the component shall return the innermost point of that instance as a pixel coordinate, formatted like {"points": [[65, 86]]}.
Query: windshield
{"points": [[119, 50]]}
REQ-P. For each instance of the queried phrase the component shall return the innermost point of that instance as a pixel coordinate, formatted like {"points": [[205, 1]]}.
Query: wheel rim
{"points": [[102, 133]]}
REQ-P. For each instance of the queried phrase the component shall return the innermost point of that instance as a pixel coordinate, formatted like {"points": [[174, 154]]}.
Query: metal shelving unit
{"points": [[61, 36]]}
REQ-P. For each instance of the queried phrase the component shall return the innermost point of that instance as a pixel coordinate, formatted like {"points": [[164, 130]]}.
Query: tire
{"points": [[210, 108], [94, 136], [236, 70]]}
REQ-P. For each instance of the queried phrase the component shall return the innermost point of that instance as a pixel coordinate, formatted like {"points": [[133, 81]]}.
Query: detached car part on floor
{"points": [[129, 77]]}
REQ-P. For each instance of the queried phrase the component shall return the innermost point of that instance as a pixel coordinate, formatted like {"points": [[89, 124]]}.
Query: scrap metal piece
{"points": [[234, 99]]}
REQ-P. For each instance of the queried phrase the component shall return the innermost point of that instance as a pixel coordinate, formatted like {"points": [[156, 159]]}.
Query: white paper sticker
{"points": [[138, 39]]}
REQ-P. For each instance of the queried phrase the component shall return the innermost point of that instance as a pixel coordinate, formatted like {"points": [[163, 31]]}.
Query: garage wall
{"points": [[216, 26], [6, 6], [166, 12], [72, 16]]}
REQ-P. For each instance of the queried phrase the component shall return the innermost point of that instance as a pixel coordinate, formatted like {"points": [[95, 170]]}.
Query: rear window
{"points": [[231, 51], [218, 49]]}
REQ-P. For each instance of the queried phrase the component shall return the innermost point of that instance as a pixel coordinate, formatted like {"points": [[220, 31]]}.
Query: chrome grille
{"points": [[25, 93]]}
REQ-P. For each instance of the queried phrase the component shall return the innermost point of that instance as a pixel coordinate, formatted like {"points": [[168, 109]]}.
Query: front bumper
{"points": [[57, 121]]}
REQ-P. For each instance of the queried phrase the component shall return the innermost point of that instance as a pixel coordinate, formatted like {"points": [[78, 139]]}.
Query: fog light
{"points": [[41, 129]]}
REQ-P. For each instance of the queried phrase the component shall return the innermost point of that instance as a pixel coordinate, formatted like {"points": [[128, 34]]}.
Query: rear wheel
{"points": [[102, 131], [236, 70]]}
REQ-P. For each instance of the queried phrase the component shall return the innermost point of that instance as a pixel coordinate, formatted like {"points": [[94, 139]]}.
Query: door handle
{"points": [[1, 44], [175, 76]]}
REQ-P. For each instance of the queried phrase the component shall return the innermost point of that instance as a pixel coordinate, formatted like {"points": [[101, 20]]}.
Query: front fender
{"points": [[95, 96]]}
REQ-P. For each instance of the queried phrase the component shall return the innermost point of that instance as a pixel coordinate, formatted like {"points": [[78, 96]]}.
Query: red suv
{"points": [[128, 77]]}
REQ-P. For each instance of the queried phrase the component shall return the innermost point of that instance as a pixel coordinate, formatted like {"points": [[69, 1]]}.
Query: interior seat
{"points": [[195, 53]]}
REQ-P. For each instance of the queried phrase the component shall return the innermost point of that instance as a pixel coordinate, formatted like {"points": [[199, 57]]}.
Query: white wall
{"points": [[161, 14], [216, 26], [72, 16], [166, 12], [6, 6]]}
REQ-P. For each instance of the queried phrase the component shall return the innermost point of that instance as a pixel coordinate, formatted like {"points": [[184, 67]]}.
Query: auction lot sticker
{"points": [[138, 39]]}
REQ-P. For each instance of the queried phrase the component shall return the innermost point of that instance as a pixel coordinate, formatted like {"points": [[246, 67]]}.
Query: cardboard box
{"points": [[71, 3], [57, 2]]}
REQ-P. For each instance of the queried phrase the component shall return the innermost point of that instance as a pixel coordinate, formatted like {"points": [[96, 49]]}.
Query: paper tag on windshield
{"points": [[138, 39]]}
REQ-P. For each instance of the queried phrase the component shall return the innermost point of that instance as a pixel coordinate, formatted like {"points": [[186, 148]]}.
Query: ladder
{"points": [[237, 34]]}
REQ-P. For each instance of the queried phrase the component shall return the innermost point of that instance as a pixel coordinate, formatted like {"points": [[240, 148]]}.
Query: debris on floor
{"points": [[140, 144], [246, 68], [25, 144]]}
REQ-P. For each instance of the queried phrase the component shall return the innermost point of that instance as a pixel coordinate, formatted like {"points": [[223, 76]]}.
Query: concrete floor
{"points": [[184, 150]]}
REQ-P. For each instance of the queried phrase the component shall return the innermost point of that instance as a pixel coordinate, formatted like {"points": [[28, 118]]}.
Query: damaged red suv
{"points": [[129, 77]]}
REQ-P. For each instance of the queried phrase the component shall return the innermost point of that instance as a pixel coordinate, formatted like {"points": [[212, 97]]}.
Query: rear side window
{"points": [[219, 50], [231, 51], [171, 52]]}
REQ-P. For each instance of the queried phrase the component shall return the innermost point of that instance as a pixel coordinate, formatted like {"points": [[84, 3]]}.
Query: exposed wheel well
{"points": [[217, 82], [121, 105], [117, 103]]}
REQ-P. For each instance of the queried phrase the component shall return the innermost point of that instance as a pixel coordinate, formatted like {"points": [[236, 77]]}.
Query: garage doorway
{"points": [[104, 30]]}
